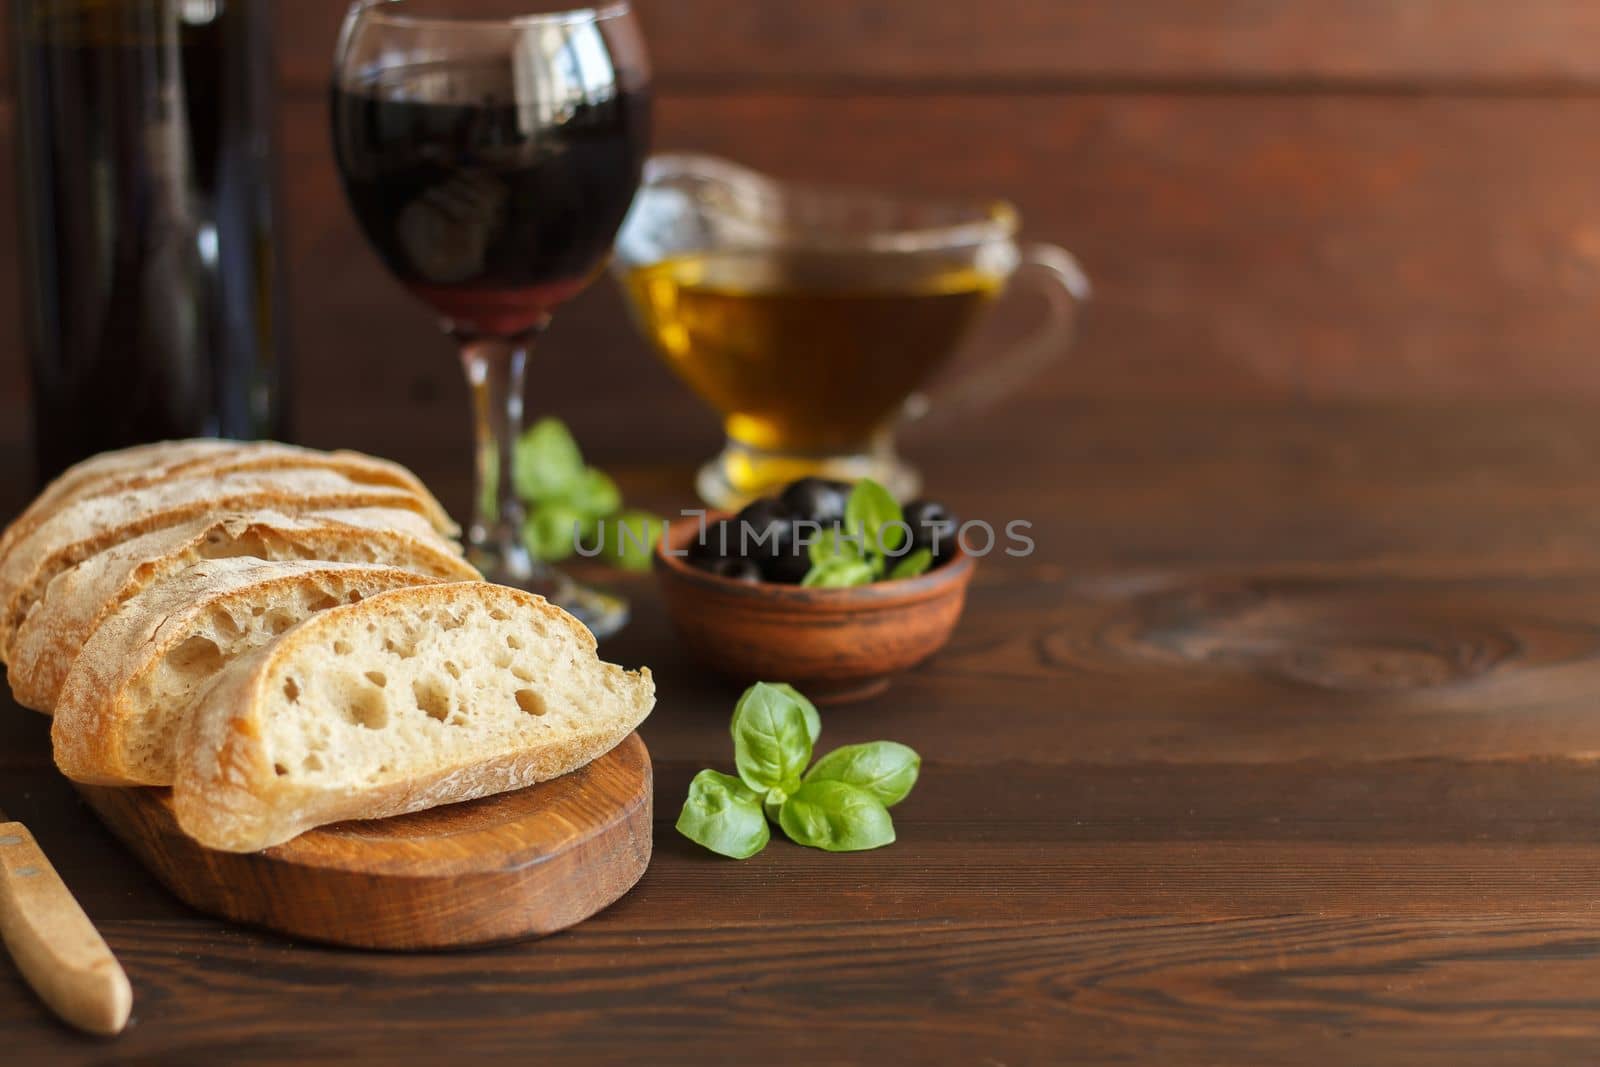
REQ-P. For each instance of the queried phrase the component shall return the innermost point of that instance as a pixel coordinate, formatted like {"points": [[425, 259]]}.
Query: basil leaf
{"points": [[872, 512], [627, 539], [813, 717], [548, 463], [638, 534], [551, 532], [838, 574], [771, 739], [724, 815], [594, 493], [836, 817], [590, 530], [835, 546], [886, 769], [916, 563]]}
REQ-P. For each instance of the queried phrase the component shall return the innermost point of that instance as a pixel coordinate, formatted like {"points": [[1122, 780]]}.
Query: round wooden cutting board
{"points": [[513, 866]]}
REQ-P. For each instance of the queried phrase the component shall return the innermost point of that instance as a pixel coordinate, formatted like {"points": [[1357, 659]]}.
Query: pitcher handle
{"points": [[1055, 273]]}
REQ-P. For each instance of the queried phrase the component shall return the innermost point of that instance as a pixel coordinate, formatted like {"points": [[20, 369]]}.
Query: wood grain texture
{"points": [[1357, 198], [518, 865], [1280, 748], [1271, 989], [1339, 44], [1344, 43]]}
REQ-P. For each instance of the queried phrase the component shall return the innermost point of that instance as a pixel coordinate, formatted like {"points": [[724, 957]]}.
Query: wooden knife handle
{"points": [[55, 946]]}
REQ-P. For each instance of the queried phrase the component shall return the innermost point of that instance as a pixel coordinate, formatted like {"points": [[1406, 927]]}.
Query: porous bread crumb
{"points": [[413, 698], [441, 683], [142, 672]]}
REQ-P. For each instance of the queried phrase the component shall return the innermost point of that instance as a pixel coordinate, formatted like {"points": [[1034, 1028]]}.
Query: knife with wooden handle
{"points": [[56, 948]]}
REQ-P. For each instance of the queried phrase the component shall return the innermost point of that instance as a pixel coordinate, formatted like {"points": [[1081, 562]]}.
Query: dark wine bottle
{"points": [[146, 187]]}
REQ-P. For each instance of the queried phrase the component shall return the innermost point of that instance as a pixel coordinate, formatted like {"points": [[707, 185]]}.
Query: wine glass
{"points": [[490, 158]]}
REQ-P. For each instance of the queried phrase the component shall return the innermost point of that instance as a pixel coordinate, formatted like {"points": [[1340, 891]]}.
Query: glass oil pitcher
{"points": [[812, 319]]}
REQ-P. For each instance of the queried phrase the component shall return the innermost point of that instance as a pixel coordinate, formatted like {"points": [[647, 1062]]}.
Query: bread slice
{"points": [[139, 467], [111, 465], [141, 672], [78, 600], [407, 700], [86, 527]]}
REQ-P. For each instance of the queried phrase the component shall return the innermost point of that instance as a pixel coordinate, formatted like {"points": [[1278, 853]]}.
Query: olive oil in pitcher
{"points": [[807, 351]]}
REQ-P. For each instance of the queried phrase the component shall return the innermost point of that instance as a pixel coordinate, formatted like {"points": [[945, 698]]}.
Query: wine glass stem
{"points": [[496, 369]]}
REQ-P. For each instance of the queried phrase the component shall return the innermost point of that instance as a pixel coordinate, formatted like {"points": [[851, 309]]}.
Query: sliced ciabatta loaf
{"points": [[106, 475], [85, 527], [78, 600], [407, 700], [141, 671]]}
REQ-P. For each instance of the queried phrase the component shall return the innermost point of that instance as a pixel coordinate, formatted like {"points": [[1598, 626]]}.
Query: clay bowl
{"points": [[834, 645]]}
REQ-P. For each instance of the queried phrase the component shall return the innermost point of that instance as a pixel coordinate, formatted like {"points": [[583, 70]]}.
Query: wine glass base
{"points": [[740, 473], [603, 613]]}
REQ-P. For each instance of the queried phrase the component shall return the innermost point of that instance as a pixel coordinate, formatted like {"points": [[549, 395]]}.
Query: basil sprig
{"points": [[869, 546], [840, 805], [566, 500]]}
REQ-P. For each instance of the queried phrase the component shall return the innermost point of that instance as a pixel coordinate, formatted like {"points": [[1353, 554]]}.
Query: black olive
{"points": [[932, 527], [720, 539], [740, 570], [789, 567], [764, 528], [816, 500]]}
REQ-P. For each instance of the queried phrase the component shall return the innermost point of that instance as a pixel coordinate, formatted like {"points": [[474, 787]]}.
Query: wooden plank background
{"points": [[1277, 198]]}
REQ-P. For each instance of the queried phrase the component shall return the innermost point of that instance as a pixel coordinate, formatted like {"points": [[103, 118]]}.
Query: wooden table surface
{"points": [[1279, 749]]}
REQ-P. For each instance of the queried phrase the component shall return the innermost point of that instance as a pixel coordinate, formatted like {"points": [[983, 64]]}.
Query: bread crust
{"points": [[143, 466], [90, 525], [228, 795], [111, 465], [91, 732], [76, 601]]}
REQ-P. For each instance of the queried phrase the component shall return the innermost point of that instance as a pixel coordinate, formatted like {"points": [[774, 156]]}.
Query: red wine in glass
{"points": [[491, 210], [490, 151]]}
